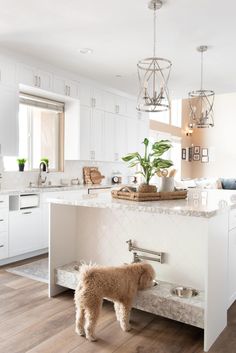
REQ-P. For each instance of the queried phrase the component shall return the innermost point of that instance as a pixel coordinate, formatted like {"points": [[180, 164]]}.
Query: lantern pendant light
{"points": [[153, 74], [201, 102]]}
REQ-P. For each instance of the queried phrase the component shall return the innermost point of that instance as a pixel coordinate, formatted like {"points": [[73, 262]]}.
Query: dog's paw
{"points": [[126, 328], [91, 338], [80, 332]]}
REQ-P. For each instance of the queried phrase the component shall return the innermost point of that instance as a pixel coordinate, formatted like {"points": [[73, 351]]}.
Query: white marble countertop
{"points": [[33, 189], [200, 203]]}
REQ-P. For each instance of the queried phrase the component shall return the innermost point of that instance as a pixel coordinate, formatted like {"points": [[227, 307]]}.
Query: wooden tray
{"points": [[127, 193]]}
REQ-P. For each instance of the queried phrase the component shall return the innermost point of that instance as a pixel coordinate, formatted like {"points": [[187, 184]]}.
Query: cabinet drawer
{"points": [[3, 245], [3, 201], [3, 220], [232, 219]]}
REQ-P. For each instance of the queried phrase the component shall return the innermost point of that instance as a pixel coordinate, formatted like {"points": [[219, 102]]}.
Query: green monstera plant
{"points": [[151, 162]]}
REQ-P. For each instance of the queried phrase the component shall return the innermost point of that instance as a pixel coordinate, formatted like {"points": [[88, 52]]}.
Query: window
{"points": [[170, 117], [176, 112], [161, 117], [41, 131]]}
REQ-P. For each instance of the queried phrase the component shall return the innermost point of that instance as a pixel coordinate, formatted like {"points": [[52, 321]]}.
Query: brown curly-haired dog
{"points": [[118, 284]]}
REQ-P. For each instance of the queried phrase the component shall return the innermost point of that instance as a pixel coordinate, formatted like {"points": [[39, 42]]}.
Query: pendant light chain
{"points": [[153, 74], [201, 70], [155, 30], [201, 101]]}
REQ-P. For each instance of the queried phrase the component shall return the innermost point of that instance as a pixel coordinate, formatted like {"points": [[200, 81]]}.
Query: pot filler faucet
{"points": [[41, 180], [159, 256]]}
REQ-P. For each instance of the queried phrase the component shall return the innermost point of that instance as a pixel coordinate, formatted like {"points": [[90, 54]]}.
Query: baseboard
{"points": [[10, 260]]}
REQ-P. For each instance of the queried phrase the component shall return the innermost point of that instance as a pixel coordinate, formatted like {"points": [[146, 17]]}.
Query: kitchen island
{"points": [[193, 235]]}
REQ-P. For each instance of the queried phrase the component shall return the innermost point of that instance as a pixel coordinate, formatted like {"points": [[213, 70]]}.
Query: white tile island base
{"points": [[195, 248]]}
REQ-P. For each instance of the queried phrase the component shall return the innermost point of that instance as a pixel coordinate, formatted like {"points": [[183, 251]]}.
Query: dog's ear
{"points": [[144, 280], [146, 277]]}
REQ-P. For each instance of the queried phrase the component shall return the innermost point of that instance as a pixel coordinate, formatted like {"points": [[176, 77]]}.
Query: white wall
{"points": [[220, 141]]}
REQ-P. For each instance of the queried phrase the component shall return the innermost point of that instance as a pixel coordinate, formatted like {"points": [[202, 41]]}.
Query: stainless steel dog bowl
{"points": [[184, 292]]}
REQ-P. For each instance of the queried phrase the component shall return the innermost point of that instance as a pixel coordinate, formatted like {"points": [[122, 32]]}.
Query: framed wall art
{"points": [[205, 159], [204, 152]]}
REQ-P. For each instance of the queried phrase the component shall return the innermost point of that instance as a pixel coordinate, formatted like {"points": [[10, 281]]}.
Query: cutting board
{"points": [[92, 175]]}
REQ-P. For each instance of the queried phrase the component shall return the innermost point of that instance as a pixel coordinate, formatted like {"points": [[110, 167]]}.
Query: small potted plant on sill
{"points": [[21, 164], [46, 161], [150, 163]]}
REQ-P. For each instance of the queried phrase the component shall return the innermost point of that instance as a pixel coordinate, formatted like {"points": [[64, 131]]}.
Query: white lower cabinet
{"points": [[3, 227], [25, 231], [3, 245], [232, 265]]}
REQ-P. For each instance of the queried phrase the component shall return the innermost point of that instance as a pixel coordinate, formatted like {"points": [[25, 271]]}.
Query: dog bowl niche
{"points": [[184, 292]]}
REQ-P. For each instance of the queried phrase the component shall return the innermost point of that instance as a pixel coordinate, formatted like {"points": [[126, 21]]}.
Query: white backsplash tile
{"points": [[73, 169]]}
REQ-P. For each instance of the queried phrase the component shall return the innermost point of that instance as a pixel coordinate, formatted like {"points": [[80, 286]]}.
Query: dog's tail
{"points": [[84, 269]]}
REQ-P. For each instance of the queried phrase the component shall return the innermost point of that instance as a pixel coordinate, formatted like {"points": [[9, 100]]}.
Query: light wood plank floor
{"points": [[33, 323]]}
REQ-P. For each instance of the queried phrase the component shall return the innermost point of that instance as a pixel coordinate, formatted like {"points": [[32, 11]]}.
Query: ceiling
{"points": [[120, 33]]}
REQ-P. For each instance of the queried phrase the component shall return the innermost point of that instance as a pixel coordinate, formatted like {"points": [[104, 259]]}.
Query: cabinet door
{"points": [[9, 105], [85, 95], [7, 73], [3, 245], [143, 131], [72, 89], [108, 137], [232, 265], [85, 117], [44, 80], [131, 108], [72, 129], [59, 85], [97, 98], [25, 231], [120, 105], [96, 134], [109, 102], [132, 135], [27, 76], [120, 137]]}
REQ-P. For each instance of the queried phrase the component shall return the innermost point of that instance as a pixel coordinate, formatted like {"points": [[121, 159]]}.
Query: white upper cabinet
{"points": [[115, 104], [97, 97], [9, 127], [143, 131], [108, 137], [65, 87], [121, 134], [91, 134], [91, 97], [7, 73], [96, 135], [120, 105], [132, 135], [131, 108], [109, 102], [84, 133], [33, 77]]}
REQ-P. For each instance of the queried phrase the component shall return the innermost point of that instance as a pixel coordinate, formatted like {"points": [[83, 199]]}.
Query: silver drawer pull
{"points": [[1, 201], [26, 212], [1, 246], [1, 220]]}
